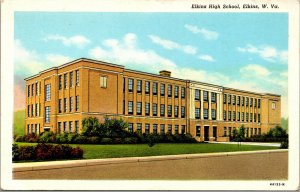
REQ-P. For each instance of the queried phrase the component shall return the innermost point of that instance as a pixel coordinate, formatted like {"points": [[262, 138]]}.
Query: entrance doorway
{"points": [[206, 133]]}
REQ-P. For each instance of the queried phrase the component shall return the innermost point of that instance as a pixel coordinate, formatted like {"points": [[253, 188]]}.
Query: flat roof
{"points": [[144, 73]]}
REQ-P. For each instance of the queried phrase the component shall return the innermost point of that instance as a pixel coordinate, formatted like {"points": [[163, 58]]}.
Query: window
{"points": [[233, 115], [59, 127], [258, 103], [224, 98], [65, 126], [162, 89], [247, 132], [229, 131], [198, 128], [77, 77], [48, 92], [65, 81], [139, 108], [176, 110], [250, 117], [130, 85], [255, 131], [28, 110], [139, 127], [32, 89], [213, 114], [103, 81], [229, 99], [224, 115], [162, 129], [255, 102], [169, 110], [154, 109], [243, 99], [130, 127], [36, 88], [70, 126], [154, 128], [259, 131], [176, 129], [176, 91], [154, 90], [170, 128], [233, 99], [32, 110], [47, 114], [28, 90], [251, 101], [242, 116], [182, 112], [71, 79], [77, 103], [238, 100], [147, 128], [162, 110], [225, 131], [169, 90], [273, 105], [254, 117], [182, 129], [147, 108], [182, 92], [205, 95], [205, 114], [65, 105], [247, 119], [229, 115], [247, 101], [130, 107], [213, 97], [59, 106], [197, 113], [76, 126], [251, 131], [238, 116], [60, 82], [258, 118], [139, 86], [147, 89], [71, 104], [36, 109], [197, 94]]}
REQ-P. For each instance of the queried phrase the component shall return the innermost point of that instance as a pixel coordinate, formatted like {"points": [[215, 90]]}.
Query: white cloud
{"points": [[266, 52], [78, 40], [57, 59], [126, 52], [253, 69], [167, 44], [209, 35], [284, 74], [206, 58]]}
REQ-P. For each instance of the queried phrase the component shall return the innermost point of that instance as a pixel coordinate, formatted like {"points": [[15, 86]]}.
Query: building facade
{"points": [[60, 97]]}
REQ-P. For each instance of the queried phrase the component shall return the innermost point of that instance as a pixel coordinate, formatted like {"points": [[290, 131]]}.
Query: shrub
{"points": [[27, 153], [47, 137], [77, 153], [15, 152], [93, 140], [80, 139], [19, 138], [130, 140], [71, 137], [152, 139], [106, 140], [44, 152], [32, 138], [62, 138]]}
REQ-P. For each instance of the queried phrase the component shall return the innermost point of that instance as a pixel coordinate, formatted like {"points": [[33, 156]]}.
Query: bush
{"points": [[27, 153], [77, 153], [19, 138], [71, 137], [62, 138], [93, 140], [47, 137], [79, 139], [15, 152], [106, 140], [130, 140]]}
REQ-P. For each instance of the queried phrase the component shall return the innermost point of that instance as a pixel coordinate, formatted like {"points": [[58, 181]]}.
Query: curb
{"points": [[21, 167]]}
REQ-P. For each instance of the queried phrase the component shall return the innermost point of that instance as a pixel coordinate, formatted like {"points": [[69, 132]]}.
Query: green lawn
{"points": [[19, 122], [139, 150]]}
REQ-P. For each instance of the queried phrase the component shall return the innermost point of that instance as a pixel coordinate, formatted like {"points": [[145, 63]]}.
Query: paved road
{"points": [[249, 143], [260, 166]]}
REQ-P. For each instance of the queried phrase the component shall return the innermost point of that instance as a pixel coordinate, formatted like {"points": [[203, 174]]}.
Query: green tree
{"points": [[277, 132], [90, 126]]}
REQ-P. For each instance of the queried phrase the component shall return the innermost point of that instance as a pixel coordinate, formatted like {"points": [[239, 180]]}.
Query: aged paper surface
{"points": [[221, 26]]}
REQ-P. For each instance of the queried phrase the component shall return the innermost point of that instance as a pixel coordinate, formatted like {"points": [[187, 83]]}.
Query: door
{"points": [[206, 133]]}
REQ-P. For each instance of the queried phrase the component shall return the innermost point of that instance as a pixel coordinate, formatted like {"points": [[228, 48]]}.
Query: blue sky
{"points": [[240, 50]]}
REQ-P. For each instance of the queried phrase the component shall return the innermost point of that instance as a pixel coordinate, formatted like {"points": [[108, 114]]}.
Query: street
{"points": [[261, 166]]}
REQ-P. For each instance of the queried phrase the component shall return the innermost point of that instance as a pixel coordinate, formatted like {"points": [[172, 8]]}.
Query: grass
{"points": [[140, 150], [19, 122]]}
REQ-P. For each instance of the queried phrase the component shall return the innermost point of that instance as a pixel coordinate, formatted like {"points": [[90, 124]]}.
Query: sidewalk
{"points": [[33, 166], [249, 143]]}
